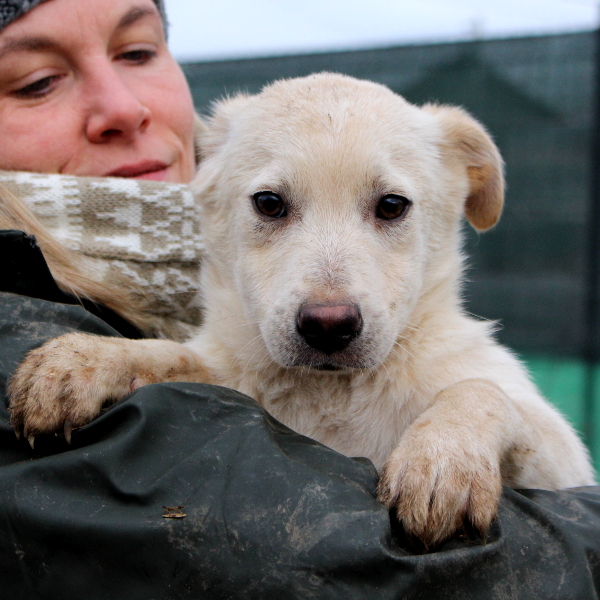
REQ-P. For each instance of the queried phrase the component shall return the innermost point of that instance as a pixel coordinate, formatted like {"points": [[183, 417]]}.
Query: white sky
{"points": [[209, 29]]}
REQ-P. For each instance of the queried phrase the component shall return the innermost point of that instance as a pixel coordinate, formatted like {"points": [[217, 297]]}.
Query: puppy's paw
{"points": [[437, 482], [64, 383]]}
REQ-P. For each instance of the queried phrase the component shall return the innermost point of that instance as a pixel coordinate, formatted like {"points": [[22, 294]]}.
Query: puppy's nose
{"points": [[329, 327]]}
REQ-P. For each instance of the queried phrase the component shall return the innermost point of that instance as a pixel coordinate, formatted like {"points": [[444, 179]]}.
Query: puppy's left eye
{"points": [[270, 205], [392, 207]]}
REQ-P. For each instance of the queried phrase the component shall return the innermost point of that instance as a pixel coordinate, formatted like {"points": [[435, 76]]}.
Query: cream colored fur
{"points": [[445, 413]]}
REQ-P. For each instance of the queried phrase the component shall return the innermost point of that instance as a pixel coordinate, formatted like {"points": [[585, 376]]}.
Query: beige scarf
{"points": [[141, 235]]}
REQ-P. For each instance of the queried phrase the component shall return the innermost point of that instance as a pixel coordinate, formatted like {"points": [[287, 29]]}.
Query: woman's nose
{"points": [[114, 109]]}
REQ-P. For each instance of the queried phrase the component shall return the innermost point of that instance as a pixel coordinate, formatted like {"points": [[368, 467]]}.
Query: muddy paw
{"points": [[65, 383], [436, 484]]}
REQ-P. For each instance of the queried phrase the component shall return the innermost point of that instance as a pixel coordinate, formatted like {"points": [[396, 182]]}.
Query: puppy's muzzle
{"points": [[329, 327]]}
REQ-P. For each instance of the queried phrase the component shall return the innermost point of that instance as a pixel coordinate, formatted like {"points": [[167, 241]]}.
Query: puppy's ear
{"points": [[218, 127], [468, 142]]}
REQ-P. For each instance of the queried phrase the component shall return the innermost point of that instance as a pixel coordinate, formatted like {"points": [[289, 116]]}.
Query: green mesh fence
{"points": [[537, 97]]}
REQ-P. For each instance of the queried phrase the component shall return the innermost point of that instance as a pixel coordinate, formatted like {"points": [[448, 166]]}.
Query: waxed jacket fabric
{"points": [[262, 512]]}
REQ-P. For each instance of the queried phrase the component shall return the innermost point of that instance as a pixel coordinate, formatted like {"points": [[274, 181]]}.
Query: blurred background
{"points": [[528, 70]]}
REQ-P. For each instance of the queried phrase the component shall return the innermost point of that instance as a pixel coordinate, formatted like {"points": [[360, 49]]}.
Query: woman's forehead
{"points": [[56, 24], [11, 10]]}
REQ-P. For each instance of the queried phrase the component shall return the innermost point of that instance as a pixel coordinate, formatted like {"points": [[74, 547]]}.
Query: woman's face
{"points": [[88, 87]]}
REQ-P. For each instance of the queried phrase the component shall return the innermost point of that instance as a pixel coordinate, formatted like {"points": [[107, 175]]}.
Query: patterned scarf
{"points": [[142, 235]]}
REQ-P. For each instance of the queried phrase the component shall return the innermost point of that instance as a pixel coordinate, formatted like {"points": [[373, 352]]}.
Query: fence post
{"points": [[592, 287]]}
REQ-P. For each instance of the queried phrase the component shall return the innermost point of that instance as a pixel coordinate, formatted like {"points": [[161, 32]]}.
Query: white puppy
{"points": [[332, 214]]}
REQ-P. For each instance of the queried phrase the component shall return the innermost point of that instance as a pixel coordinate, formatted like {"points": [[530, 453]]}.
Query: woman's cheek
{"points": [[35, 140], [176, 113], [170, 95]]}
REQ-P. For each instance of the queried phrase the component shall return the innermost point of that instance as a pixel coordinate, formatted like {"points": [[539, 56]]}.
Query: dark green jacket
{"points": [[259, 511]]}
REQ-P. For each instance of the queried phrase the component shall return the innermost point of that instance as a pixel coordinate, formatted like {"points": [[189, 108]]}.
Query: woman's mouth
{"points": [[152, 170]]}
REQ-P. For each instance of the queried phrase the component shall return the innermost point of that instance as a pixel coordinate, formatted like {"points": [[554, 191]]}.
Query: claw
{"points": [[68, 429], [18, 432], [31, 440]]}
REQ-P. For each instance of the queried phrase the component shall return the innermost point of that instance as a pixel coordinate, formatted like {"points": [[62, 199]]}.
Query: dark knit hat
{"points": [[11, 10]]}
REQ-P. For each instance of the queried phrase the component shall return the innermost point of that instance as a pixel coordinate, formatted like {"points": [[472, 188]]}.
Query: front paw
{"points": [[65, 383], [436, 482]]}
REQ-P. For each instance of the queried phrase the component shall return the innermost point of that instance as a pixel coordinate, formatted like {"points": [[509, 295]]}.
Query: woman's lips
{"points": [[160, 175], [153, 170]]}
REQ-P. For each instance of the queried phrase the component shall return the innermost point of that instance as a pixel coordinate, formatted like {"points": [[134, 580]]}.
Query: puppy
{"points": [[332, 214]]}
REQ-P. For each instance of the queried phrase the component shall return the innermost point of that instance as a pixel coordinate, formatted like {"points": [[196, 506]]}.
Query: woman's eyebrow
{"points": [[31, 44], [135, 14], [41, 44]]}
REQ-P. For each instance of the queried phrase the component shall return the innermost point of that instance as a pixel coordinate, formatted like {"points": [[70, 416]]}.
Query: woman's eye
{"points": [[138, 57], [392, 207], [270, 205], [38, 88]]}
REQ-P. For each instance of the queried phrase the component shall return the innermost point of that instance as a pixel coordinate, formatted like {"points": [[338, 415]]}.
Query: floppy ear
{"points": [[468, 142]]}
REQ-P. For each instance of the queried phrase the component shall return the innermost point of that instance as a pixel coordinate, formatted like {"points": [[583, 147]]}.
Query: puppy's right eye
{"points": [[270, 205], [392, 207]]}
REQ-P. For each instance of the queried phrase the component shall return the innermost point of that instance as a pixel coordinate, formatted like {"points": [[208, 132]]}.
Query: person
{"points": [[101, 97], [104, 97], [185, 490]]}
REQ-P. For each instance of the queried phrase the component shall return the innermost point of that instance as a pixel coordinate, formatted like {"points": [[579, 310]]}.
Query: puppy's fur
{"points": [[419, 387]]}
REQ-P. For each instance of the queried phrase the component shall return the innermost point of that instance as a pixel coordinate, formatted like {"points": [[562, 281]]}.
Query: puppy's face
{"points": [[331, 209]]}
